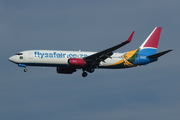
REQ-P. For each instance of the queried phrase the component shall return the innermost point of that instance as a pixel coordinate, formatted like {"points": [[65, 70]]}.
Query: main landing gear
{"points": [[90, 70], [84, 74]]}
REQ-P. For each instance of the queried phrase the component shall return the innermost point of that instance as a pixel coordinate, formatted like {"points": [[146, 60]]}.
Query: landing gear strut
{"points": [[84, 74]]}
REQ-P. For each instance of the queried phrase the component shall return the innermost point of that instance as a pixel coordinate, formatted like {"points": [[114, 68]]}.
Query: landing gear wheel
{"points": [[84, 74], [25, 70]]}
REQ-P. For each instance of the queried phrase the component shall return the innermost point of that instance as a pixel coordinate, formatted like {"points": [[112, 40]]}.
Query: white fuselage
{"points": [[57, 58]]}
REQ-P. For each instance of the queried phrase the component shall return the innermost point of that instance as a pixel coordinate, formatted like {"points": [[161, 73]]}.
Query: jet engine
{"points": [[65, 70], [76, 62]]}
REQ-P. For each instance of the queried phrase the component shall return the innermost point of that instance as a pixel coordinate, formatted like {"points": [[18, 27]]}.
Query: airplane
{"points": [[68, 62]]}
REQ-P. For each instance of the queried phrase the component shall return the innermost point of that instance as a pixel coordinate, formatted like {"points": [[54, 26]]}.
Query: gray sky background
{"points": [[149, 92]]}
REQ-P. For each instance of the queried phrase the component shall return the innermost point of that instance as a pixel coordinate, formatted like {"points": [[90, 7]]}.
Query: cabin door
{"points": [[30, 54]]}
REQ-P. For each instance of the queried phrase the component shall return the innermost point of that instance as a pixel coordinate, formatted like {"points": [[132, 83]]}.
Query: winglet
{"points": [[130, 37]]}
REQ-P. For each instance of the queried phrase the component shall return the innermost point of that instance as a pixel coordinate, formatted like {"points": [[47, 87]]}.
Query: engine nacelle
{"points": [[65, 70], [76, 62]]}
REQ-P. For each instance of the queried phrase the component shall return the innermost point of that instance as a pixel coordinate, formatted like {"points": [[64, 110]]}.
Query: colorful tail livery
{"points": [[68, 62]]}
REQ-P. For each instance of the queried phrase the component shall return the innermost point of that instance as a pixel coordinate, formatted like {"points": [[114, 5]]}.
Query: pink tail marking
{"points": [[153, 39]]}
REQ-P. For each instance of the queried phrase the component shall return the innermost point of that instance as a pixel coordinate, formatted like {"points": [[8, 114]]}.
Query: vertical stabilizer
{"points": [[150, 45], [153, 39]]}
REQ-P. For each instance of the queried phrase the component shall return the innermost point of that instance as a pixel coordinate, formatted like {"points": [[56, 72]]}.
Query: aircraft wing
{"points": [[101, 56]]}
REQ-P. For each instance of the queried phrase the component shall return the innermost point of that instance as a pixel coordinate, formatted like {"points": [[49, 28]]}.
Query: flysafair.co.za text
{"points": [[58, 55]]}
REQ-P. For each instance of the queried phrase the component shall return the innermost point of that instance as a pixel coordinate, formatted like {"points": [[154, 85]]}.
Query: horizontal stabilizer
{"points": [[159, 54]]}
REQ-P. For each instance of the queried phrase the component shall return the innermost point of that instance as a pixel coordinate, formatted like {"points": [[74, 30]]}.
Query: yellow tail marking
{"points": [[126, 57], [128, 64]]}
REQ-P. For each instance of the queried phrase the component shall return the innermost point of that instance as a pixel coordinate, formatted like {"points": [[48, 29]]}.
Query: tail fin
{"points": [[150, 45]]}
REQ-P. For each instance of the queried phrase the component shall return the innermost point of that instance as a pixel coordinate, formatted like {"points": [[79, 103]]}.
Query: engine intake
{"points": [[76, 62]]}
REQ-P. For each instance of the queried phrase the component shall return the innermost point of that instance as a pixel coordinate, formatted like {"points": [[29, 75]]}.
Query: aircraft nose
{"points": [[11, 58]]}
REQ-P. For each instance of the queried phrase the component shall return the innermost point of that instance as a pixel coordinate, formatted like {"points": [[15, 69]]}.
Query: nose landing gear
{"points": [[25, 69], [23, 65]]}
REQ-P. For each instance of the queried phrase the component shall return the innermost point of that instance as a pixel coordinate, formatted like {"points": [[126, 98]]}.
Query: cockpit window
{"points": [[19, 54]]}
